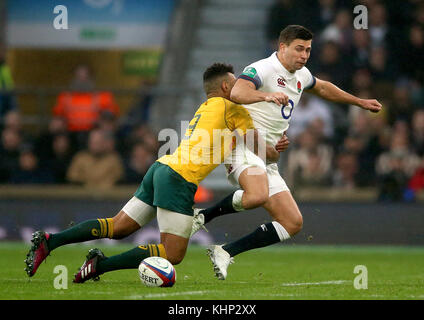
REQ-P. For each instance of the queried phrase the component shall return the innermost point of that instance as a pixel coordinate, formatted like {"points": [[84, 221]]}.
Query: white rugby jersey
{"points": [[269, 75]]}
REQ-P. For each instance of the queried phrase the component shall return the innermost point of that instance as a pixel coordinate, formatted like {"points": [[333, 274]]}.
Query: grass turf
{"points": [[278, 272]]}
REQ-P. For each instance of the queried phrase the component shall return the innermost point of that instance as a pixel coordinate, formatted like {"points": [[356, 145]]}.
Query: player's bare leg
{"points": [[175, 247], [254, 182], [287, 222], [283, 209], [123, 225]]}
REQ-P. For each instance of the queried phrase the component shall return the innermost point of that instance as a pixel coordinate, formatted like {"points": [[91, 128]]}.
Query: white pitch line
{"points": [[314, 283], [162, 295]]}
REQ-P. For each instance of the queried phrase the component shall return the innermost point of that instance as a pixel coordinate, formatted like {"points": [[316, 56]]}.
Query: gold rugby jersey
{"points": [[208, 139]]}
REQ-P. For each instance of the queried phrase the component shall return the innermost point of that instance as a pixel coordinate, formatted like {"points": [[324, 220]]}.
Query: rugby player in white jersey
{"points": [[270, 90]]}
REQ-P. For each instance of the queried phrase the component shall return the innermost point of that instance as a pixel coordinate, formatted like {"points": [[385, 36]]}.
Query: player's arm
{"points": [[331, 92], [239, 120], [245, 92]]}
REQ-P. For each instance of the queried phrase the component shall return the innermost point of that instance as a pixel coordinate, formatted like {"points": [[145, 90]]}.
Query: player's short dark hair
{"points": [[294, 31], [214, 72]]}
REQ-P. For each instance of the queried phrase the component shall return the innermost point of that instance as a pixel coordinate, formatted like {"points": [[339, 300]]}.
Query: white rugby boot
{"points": [[221, 260], [198, 222]]}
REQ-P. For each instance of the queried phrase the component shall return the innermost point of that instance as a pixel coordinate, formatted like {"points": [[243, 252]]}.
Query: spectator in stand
{"points": [[361, 48], [7, 98], [11, 141], [13, 120], [142, 133], [396, 166], [402, 106], [139, 113], [310, 163], [366, 140], [419, 13], [107, 122], [99, 166], [418, 132], [378, 26], [346, 171], [60, 158], [29, 170], [44, 143], [416, 183], [361, 80], [309, 109], [380, 68], [340, 31], [413, 64], [325, 13], [82, 105], [331, 62], [139, 162]]}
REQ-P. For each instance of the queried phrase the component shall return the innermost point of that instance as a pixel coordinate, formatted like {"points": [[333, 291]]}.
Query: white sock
{"points": [[282, 233], [237, 203]]}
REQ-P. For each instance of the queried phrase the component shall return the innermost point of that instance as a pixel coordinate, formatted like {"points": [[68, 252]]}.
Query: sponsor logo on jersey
{"points": [[250, 72], [281, 82]]}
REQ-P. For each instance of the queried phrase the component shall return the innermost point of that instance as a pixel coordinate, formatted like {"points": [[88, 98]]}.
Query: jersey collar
{"points": [[280, 68]]}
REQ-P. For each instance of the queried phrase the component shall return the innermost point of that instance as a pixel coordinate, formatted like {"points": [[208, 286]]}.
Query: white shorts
{"points": [[245, 159], [168, 221]]}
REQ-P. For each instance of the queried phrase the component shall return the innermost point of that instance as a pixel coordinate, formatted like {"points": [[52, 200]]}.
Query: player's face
{"points": [[296, 54]]}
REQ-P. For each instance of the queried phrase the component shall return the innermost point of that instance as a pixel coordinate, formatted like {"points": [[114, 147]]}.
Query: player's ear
{"points": [[225, 85]]}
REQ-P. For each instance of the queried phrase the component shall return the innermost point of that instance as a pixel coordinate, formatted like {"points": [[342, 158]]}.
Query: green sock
{"points": [[84, 231], [130, 259]]}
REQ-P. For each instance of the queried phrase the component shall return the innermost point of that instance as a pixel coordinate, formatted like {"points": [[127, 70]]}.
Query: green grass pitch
{"points": [[275, 273]]}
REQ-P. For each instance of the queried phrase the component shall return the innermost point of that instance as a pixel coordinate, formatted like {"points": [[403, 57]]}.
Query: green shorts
{"points": [[164, 188]]}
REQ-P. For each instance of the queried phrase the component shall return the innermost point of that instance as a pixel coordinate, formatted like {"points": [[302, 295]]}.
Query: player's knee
{"points": [[122, 227], [175, 258], [262, 198], [119, 232], [173, 254], [295, 225]]}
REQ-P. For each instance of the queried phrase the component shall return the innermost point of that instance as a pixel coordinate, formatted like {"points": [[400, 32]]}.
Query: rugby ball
{"points": [[157, 272]]}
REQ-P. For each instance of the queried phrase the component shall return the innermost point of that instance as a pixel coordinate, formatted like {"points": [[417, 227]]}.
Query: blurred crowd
{"points": [[86, 141], [333, 145], [345, 146]]}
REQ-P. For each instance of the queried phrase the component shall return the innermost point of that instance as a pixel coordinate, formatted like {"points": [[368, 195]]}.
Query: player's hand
{"points": [[283, 143], [278, 98], [371, 105]]}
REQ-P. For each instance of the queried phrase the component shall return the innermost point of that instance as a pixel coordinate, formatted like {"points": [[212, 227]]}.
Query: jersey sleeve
{"points": [[309, 79], [254, 74], [238, 118]]}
